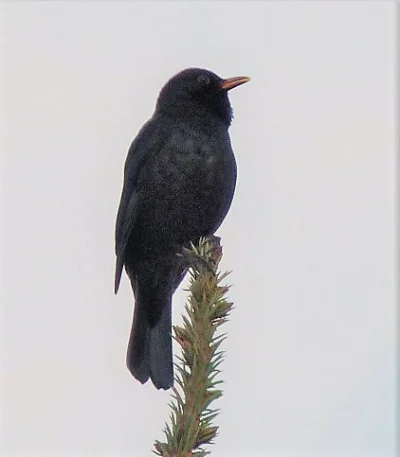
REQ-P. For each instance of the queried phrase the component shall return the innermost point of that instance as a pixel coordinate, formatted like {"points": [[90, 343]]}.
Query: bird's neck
{"points": [[202, 116]]}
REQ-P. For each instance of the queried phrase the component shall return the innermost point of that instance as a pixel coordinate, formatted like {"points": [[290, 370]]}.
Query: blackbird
{"points": [[179, 180]]}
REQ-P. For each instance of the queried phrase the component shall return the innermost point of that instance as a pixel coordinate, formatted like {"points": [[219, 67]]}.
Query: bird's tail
{"points": [[150, 344]]}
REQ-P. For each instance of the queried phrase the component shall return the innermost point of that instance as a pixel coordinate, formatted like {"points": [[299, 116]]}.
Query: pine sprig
{"points": [[196, 384]]}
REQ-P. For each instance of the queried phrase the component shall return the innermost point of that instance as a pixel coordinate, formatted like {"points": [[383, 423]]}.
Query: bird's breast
{"points": [[186, 188]]}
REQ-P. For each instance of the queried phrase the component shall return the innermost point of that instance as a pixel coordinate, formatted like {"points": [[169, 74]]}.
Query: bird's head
{"points": [[196, 93]]}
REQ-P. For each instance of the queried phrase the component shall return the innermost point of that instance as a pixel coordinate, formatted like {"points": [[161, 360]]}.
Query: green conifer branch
{"points": [[196, 384]]}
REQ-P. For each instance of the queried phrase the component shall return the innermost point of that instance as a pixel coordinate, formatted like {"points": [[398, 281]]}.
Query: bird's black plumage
{"points": [[179, 180]]}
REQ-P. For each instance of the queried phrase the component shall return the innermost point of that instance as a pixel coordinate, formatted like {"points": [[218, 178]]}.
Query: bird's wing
{"points": [[127, 211]]}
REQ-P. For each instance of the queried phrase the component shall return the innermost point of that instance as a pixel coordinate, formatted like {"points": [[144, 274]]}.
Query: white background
{"points": [[310, 366]]}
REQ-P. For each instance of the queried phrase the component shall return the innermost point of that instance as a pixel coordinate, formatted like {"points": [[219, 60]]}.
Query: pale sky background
{"points": [[310, 365]]}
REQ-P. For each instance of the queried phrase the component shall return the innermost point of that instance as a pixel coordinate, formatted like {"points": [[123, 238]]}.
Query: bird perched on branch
{"points": [[179, 180]]}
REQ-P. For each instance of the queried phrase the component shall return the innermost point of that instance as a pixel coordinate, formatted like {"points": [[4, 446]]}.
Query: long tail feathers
{"points": [[137, 358], [161, 363], [150, 345], [150, 348]]}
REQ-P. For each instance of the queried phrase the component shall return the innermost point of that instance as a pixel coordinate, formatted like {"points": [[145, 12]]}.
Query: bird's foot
{"points": [[206, 255]]}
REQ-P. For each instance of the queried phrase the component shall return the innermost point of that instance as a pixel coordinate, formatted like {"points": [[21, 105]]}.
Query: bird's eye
{"points": [[203, 81]]}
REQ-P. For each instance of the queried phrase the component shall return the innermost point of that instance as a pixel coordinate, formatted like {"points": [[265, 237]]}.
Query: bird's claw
{"points": [[205, 256]]}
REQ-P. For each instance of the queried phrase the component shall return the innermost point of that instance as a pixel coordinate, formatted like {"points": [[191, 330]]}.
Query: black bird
{"points": [[179, 180]]}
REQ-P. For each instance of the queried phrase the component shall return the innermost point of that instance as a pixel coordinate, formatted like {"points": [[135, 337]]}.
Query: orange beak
{"points": [[230, 83]]}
